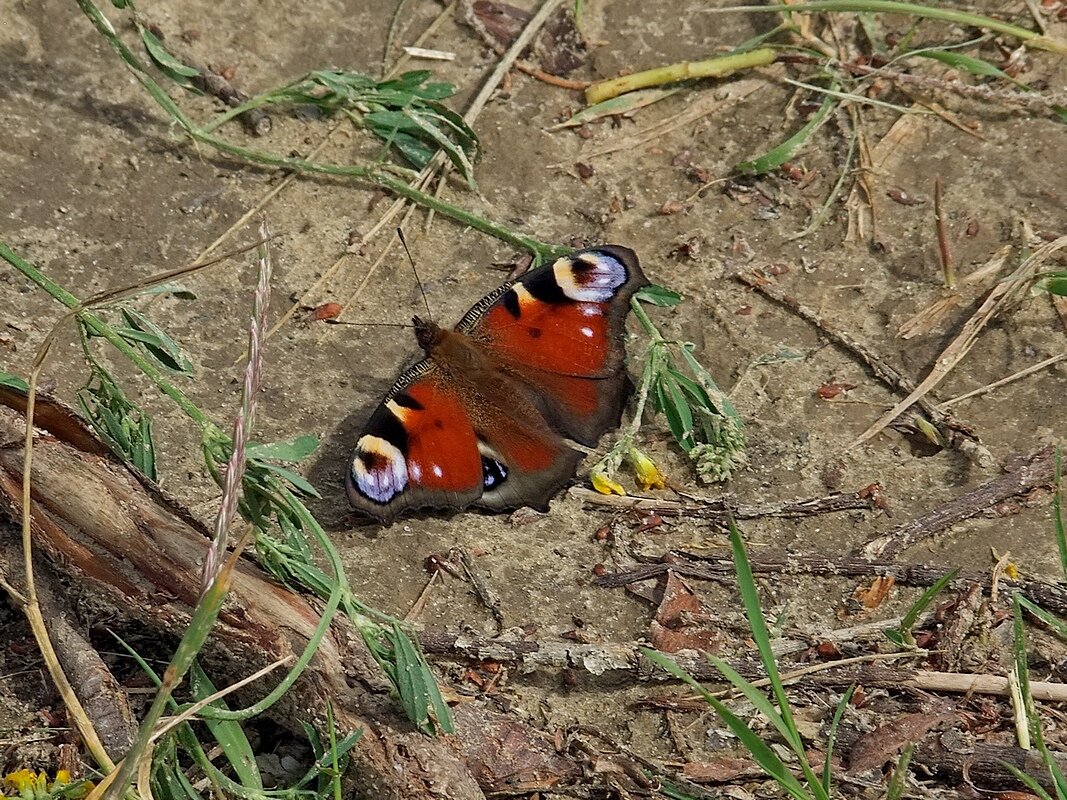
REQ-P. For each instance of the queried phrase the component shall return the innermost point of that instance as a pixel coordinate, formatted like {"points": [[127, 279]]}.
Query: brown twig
{"points": [[1027, 472], [720, 508], [954, 431], [490, 599]]}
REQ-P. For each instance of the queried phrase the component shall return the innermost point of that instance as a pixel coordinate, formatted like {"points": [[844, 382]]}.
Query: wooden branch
{"points": [[624, 660], [128, 549], [1051, 596]]}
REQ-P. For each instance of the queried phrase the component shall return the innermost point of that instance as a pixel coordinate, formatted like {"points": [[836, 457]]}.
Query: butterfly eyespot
{"points": [[379, 471], [493, 473], [589, 278]]}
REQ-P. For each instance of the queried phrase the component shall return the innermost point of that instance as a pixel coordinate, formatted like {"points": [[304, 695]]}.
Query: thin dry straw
{"points": [[242, 428]]}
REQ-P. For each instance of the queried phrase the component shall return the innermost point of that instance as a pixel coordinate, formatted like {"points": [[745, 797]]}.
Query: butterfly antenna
{"points": [[425, 302]]}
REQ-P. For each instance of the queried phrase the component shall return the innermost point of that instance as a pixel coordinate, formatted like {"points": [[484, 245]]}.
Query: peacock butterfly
{"points": [[484, 419]]}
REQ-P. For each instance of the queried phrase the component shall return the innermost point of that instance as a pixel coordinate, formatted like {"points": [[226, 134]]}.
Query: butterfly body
{"points": [[485, 418]]}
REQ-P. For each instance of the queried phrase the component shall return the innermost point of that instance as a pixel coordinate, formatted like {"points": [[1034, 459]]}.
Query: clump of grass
{"points": [[406, 113], [267, 494], [810, 785], [703, 421]]}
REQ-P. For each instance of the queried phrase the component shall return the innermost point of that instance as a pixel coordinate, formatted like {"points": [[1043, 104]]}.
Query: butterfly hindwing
{"points": [[440, 440], [418, 449]]}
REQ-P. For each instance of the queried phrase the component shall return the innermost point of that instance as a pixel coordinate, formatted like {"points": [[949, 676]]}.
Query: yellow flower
{"points": [[605, 485], [29, 784], [648, 474]]}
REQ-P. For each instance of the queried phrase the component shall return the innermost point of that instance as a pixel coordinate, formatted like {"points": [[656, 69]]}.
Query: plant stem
{"points": [[376, 177], [681, 71], [1030, 38], [97, 326]]}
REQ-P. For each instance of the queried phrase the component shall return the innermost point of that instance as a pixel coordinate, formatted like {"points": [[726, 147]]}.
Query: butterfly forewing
{"points": [[560, 330]]}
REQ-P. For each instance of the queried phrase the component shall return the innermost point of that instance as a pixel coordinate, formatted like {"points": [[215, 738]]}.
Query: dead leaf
{"points": [[832, 389], [720, 770], [873, 749], [325, 311], [875, 594], [506, 755], [681, 621]]}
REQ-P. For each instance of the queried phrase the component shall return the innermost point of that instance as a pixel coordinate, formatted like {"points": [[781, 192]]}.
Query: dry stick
{"points": [[620, 658], [1000, 298], [1048, 362], [1027, 473], [490, 599], [957, 433], [722, 507]]}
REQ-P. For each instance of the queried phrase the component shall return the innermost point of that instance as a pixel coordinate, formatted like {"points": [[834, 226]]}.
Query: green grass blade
{"points": [[774, 158], [838, 713], [898, 782], [1027, 780], [902, 633], [1055, 624], [229, 734], [1057, 510], [761, 752], [761, 636], [755, 696]]}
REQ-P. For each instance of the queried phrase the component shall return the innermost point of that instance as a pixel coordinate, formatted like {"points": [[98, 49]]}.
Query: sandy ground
{"points": [[99, 191]]}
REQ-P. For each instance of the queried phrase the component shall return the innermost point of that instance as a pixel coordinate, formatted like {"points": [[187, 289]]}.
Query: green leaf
{"points": [[965, 63], [165, 60], [154, 342], [418, 690], [13, 381], [291, 451], [227, 733], [774, 158], [1053, 284], [623, 104], [657, 295], [698, 396], [903, 631], [299, 482], [679, 416]]}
